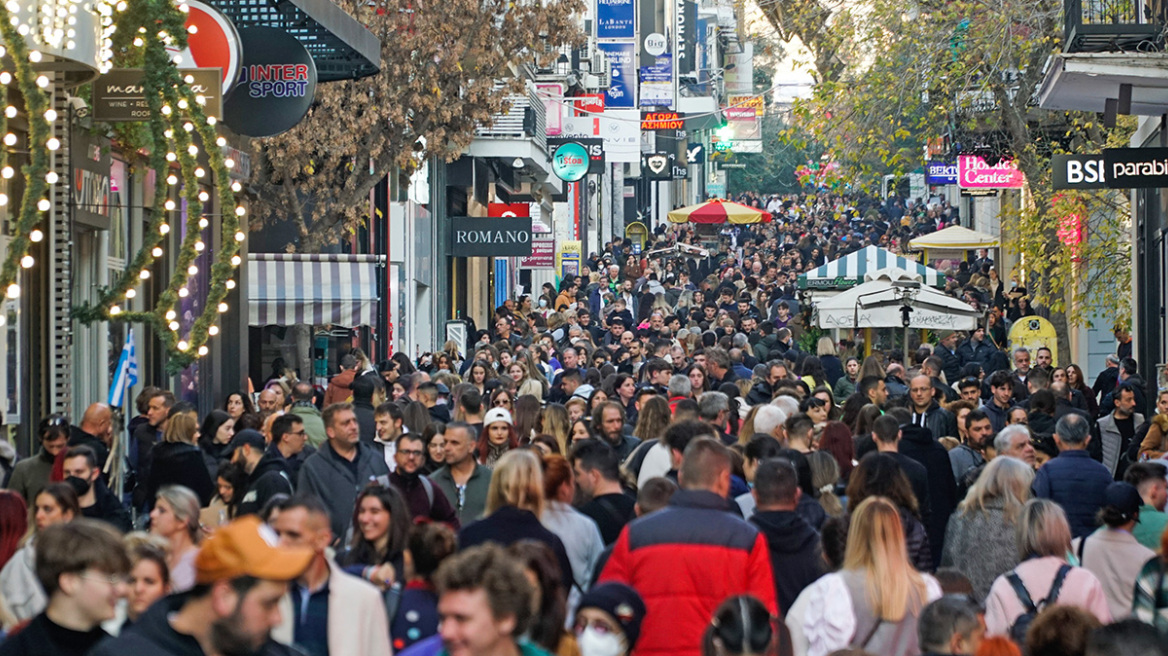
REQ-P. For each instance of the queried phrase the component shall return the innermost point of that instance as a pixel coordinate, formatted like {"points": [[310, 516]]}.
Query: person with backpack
{"points": [[423, 498], [1112, 553], [1043, 578]]}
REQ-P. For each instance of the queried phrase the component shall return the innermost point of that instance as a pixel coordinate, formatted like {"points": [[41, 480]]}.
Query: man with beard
{"points": [[422, 497], [241, 576], [597, 473]]}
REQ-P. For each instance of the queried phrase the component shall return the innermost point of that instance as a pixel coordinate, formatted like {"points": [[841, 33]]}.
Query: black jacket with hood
{"points": [[918, 444], [796, 552], [270, 477]]}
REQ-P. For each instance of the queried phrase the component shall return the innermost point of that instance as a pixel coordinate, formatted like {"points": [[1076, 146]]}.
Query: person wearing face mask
{"points": [[608, 620], [96, 500]]}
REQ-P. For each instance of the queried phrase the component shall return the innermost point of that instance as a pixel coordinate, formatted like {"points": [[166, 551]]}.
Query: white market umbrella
{"points": [[877, 302]]}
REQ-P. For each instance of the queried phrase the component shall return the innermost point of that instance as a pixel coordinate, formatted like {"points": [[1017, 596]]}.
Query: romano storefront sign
{"points": [[479, 237], [1115, 168]]}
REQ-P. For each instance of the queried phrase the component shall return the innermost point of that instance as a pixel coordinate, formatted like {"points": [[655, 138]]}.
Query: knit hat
{"points": [[622, 603], [495, 415]]}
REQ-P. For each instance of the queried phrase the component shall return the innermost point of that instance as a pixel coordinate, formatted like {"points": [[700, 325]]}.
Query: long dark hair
{"points": [[248, 406], [13, 523], [211, 424], [879, 475], [364, 552], [812, 366], [547, 627]]}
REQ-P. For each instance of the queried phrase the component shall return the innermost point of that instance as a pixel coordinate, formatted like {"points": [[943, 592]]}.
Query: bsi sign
{"points": [[477, 237], [1077, 172], [1115, 168]]}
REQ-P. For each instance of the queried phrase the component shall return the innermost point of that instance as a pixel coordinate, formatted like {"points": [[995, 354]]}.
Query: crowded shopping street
{"points": [[583, 328]]}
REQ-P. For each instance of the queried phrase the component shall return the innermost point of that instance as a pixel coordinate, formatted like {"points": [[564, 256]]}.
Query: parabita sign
{"points": [[478, 237]]}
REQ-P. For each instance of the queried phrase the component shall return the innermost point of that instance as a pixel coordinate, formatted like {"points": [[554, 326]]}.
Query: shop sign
{"points": [[214, 44], [1078, 172], [543, 253], [570, 162], [119, 96], [622, 74], [974, 173], [754, 102], [594, 146], [1136, 168], [276, 85], [505, 210], [659, 166], [941, 173], [588, 104], [616, 19], [662, 121], [91, 180], [568, 258], [478, 237], [695, 153]]}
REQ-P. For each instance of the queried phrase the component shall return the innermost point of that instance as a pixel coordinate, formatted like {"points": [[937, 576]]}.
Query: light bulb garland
{"points": [[177, 128]]}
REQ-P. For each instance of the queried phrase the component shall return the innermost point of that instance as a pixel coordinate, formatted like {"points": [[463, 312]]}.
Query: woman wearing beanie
{"points": [[608, 620]]}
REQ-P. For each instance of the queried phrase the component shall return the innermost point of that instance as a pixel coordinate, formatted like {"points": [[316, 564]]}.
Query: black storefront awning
{"points": [[340, 46]]}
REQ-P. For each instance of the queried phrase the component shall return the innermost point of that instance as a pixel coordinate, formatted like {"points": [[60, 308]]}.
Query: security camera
{"points": [[79, 106]]}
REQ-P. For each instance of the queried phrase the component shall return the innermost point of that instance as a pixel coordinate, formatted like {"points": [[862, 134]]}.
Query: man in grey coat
{"points": [[1114, 432], [342, 467]]}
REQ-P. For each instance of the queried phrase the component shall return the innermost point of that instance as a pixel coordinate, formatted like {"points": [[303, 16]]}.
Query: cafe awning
{"points": [[290, 289]]}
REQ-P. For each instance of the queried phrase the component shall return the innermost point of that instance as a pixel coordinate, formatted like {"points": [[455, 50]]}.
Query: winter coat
{"points": [[330, 477], [19, 585], [509, 525], [843, 388], [1077, 483], [313, 422], [179, 463], [916, 539], [357, 619], [951, 362], [1155, 443], [943, 498], [667, 557], [939, 421], [269, 478], [107, 508], [796, 552], [981, 544], [833, 369], [339, 387], [1108, 445]]}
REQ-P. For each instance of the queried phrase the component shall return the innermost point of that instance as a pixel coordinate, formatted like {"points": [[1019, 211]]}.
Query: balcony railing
{"points": [[527, 118], [1114, 25]]}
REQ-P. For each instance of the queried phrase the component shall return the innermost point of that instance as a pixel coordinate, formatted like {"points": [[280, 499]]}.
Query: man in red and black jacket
{"points": [[686, 559]]}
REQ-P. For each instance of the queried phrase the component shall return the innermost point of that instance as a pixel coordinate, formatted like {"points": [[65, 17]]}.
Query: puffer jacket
{"points": [[685, 560]]}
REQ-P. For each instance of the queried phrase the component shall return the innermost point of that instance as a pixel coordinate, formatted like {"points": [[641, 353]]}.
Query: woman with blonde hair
{"points": [[980, 540], [873, 602], [175, 518], [1044, 539], [825, 473], [829, 358], [555, 422], [178, 460], [534, 382], [514, 506]]}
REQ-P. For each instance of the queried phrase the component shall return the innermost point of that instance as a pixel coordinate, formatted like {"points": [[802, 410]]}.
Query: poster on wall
{"points": [[616, 19]]}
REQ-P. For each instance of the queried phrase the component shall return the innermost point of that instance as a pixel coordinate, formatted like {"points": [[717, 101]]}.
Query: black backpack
{"points": [[1020, 625]]}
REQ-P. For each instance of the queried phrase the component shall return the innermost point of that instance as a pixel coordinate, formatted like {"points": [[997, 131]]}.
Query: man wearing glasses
{"points": [[423, 497], [290, 442]]}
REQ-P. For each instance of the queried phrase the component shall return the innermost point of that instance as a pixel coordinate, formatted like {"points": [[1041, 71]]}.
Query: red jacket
{"points": [[685, 560], [338, 388]]}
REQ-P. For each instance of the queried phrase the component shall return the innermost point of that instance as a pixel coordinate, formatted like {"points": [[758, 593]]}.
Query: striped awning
{"points": [[289, 289], [849, 270]]}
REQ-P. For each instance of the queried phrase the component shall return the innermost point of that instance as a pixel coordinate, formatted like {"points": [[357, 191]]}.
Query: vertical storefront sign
{"points": [[622, 89], [687, 18]]}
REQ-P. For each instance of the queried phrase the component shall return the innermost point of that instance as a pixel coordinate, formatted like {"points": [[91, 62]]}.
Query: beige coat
{"points": [[357, 622], [1115, 558]]}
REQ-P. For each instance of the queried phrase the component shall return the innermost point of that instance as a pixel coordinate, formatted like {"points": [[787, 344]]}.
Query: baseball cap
{"points": [[250, 437], [443, 390], [248, 547], [1123, 497], [496, 415]]}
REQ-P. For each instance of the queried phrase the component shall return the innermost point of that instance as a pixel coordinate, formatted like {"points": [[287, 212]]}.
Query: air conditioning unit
{"points": [[598, 64]]}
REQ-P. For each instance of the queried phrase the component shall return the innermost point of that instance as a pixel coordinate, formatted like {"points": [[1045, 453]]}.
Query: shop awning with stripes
{"points": [[849, 270], [288, 289]]}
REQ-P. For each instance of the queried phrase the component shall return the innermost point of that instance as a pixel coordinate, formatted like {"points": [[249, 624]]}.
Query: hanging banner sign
{"points": [[276, 85], [974, 173], [622, 78], [1136, 168], [506, 210], [543, 253], [662, 121], [472, 236], [1078, 172], [616, 19], [941, 173]]}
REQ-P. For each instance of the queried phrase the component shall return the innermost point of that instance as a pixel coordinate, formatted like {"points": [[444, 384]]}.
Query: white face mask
{"points": [[596, 643]]}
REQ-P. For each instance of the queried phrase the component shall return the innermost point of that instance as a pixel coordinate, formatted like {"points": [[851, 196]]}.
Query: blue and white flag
{"points": [[126, 375]]}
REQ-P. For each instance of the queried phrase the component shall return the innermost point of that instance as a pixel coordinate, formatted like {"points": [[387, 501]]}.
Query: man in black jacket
{"points": [[927, 413], [918, 444], [795, 548], [97, 502], [951, 361], [267, 471], [886, 435]]}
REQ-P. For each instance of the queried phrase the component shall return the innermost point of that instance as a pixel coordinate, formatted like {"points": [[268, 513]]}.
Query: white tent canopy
{"points": [[852, 268], [876, 304], [954, 238]]}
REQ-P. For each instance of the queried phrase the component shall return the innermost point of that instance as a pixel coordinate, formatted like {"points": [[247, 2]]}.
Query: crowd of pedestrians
{"points": [[658, 457]]}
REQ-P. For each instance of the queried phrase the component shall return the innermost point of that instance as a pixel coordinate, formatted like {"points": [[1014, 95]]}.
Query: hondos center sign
{"points": [[477, 237]]}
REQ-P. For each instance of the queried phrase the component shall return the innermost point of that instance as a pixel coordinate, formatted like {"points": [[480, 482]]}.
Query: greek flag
{"points": [[126, 375]]}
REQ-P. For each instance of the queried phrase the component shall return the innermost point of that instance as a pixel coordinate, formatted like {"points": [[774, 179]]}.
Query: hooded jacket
{"points": [[270, 477], [339, 388], [796, 552], [939, 421], [179, 463]]}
